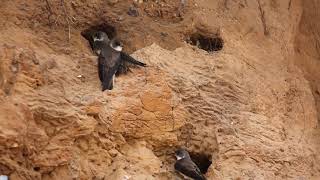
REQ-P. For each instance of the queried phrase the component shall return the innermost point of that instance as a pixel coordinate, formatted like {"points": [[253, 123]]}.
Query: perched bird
{"points": [[100, 38], [111, 59], [186, 166]]}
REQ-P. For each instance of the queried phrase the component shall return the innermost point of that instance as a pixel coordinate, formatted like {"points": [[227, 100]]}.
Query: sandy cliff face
{"points": [[307, 47], [251, 108]]}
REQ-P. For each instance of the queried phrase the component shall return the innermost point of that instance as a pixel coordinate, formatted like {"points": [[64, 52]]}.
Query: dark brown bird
{"points": [[186, 166], [110, 58], [109, 61]]}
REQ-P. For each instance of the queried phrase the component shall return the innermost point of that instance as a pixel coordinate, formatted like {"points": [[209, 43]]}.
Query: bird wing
{"points": [[108, 63], [127, 57], [189, 168]]}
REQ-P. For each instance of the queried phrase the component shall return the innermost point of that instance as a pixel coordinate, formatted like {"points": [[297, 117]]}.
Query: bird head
{"points": [[181, 154], [116, 45], [100, 36]]}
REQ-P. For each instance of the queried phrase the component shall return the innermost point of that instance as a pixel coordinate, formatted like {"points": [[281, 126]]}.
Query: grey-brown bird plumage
{"points": [[111, 59], [186, 166], [97, 43]]}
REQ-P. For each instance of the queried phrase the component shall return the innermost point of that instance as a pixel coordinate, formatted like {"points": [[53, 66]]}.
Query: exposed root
{"points": [[304, 116], [225, 4], [67, 17], [289, 5], [263, 19], [50, 12]]}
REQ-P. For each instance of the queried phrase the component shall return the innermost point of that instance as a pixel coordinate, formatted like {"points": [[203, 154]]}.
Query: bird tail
{"points": [[108, 84], [106, 87], [130, 59]]}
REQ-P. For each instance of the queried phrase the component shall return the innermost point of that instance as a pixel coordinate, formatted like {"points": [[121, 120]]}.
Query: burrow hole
{"points": [[207, 43], [110, 30], [36, 168], [203, 161]]}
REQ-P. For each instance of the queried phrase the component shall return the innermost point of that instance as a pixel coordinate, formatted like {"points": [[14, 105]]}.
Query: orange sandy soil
{"points": [[252, 108]]}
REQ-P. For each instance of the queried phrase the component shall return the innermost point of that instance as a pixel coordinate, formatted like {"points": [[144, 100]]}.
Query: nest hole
{"points": [[108, 29], [203, 161], [112, 33], [36, 168], [207, 43]]}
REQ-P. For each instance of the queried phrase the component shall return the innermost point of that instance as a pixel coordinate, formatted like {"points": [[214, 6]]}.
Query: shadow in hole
{"points": [[202, 161], [206, 43], [110, 30]]}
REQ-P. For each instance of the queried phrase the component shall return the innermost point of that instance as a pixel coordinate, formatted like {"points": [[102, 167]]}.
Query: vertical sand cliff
{"points": [[252, 108]]}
